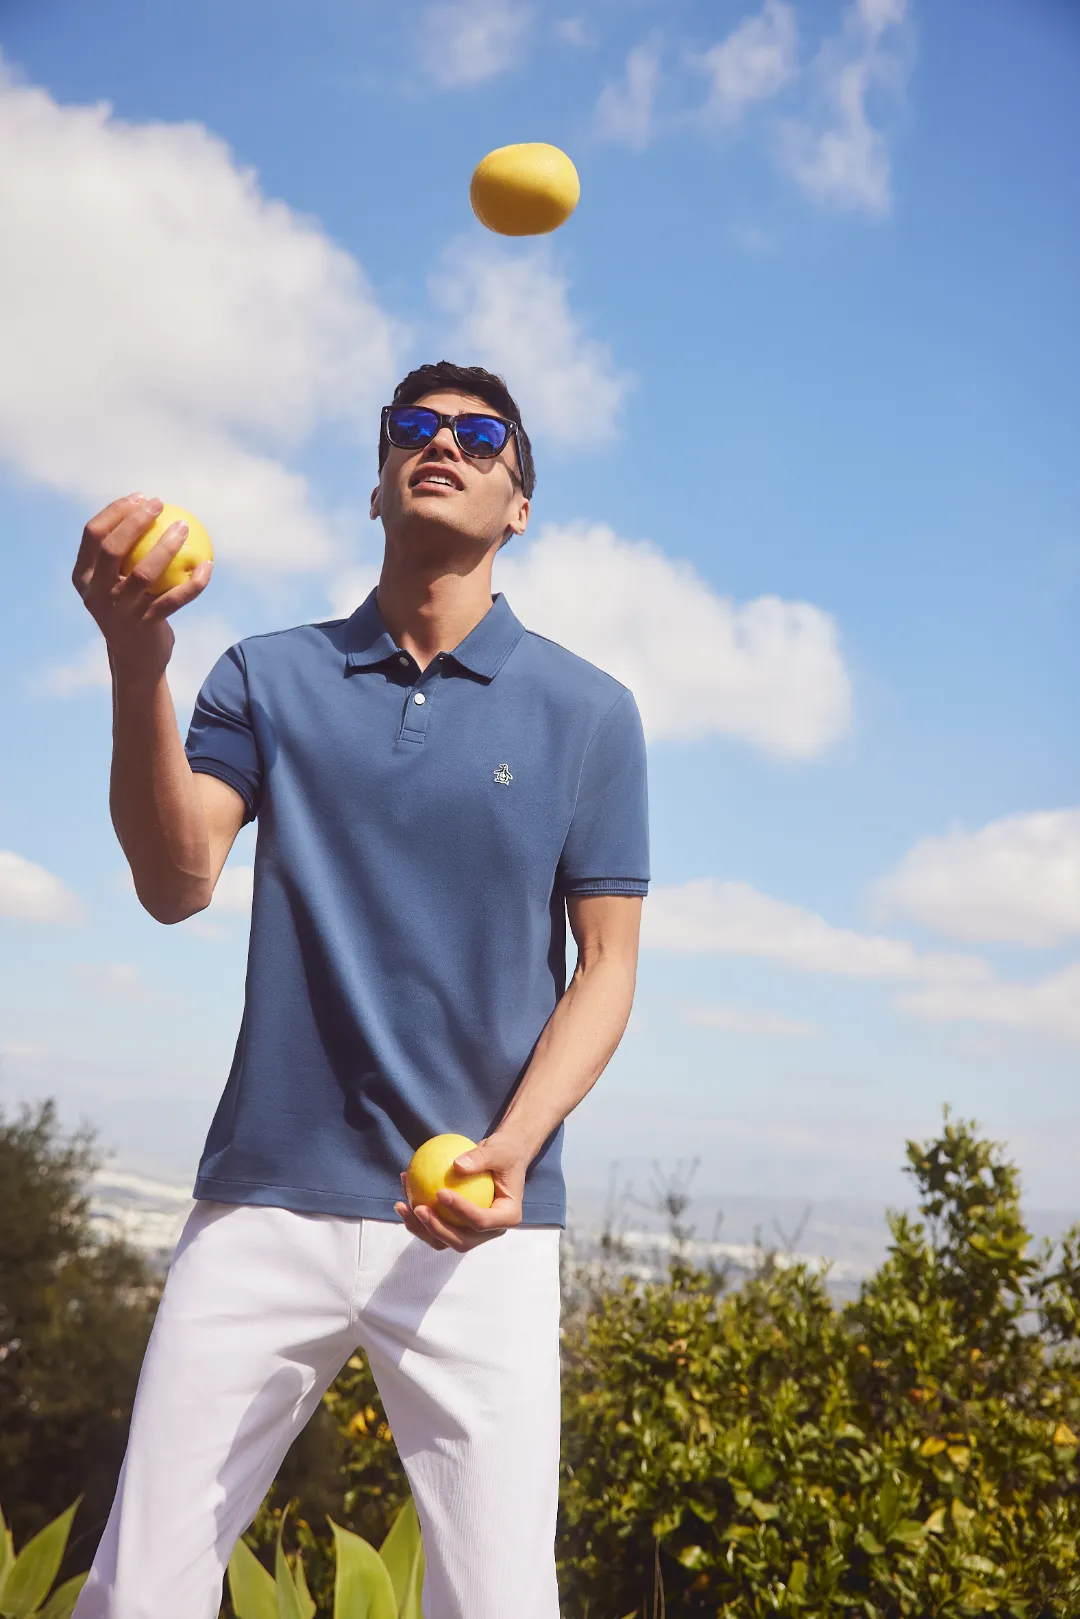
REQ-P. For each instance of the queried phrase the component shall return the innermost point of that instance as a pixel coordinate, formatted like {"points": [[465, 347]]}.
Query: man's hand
{"points": [[506, 1161], [133, 622]]}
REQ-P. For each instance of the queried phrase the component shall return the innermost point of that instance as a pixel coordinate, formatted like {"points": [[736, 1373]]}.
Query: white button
{"points": [[419, 698], [403, 660]]}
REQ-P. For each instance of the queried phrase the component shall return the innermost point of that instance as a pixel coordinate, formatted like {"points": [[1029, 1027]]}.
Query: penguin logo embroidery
{"points": [[502, 775]]}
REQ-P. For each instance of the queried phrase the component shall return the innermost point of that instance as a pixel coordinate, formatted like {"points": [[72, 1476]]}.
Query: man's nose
{"points": [[445, 443]]}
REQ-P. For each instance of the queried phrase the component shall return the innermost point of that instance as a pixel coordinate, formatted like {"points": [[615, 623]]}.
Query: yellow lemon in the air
{"points": [[432, 1167], [524, 190], [195, 549]]}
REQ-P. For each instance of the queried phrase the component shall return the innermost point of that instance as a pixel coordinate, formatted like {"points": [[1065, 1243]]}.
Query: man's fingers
{"points": [[149, 568], [416, 1227], [97, 532], [115, 545], [475, 1225], [504, 1211], [170, 601], [98, 528], [425, 1223]]}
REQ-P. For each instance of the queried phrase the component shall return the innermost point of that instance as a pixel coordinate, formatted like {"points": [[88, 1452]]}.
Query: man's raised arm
{"points": [[176, 828]]}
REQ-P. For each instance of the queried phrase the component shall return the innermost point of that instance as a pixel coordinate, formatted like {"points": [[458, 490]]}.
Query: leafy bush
{"points": [[75, 1314], [762, 1453]]}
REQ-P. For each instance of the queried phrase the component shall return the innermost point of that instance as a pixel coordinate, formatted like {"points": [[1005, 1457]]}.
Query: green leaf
{"points": [[869, 1544], [253, 1592], [7, 1552], [403, 1553], [979, 1565], [797, 1578], [908, 1532], [36, 1567], [61, 1604], [302, 1588], [289, 1605], [763, 1511], [363, 1588]]}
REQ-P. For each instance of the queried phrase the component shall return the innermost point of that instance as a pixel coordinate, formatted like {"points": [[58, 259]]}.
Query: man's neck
{"points": [[431, 613]]}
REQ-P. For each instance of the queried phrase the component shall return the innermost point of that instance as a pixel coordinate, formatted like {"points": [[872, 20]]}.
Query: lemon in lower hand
{"points": [[432, 1168], [524, 190], [195, 549]]}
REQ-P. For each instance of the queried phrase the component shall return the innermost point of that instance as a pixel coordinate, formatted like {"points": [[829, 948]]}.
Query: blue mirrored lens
{"points": [[481, 435], [410, 426]]}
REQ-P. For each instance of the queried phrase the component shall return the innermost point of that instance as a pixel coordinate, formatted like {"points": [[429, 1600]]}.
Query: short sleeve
{"points": [[221, 740], [607, 847]]}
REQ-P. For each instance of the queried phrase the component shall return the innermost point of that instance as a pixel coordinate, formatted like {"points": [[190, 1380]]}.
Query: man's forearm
{"points": [[156, 810], [576, 1046]]}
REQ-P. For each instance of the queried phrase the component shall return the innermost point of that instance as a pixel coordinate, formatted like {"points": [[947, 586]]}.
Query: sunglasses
{"points": [[410, 427]]}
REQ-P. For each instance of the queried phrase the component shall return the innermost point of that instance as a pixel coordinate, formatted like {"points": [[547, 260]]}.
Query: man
{"points": [[435, 789]]}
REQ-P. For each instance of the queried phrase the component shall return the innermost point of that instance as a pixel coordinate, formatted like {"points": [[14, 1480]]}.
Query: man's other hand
{"points": [[506, 1161]]}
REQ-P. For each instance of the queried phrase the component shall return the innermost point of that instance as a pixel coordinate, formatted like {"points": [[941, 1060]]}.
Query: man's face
{"points": [[437, 493]]}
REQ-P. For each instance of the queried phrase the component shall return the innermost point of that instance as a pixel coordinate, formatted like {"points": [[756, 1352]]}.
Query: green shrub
{"points": [[762, 1453], [75, 1314]]}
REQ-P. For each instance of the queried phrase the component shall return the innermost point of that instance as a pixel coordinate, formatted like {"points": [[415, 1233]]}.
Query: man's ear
{"points": [[374, 511], [520, 520]]}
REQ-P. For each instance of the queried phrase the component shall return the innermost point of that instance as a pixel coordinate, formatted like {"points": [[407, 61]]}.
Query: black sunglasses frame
{"points": [[443, 420]]}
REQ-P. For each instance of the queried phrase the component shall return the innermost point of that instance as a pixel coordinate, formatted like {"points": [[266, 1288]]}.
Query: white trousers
{"points": [[261, 1309]]}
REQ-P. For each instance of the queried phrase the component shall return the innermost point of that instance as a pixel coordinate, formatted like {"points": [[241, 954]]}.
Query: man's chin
{"points": [[435, 523]]}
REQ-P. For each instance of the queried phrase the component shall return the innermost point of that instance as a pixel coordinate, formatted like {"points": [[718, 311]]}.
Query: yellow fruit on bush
{"points": [[432, 1168], [195, 549], [524, 190]]}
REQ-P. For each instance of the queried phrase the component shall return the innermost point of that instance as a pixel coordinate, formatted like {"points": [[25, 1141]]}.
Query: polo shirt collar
{"points": [[483, 652]]}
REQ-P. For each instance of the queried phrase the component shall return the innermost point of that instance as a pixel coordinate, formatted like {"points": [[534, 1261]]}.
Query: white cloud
{"points": [[733, 1020], [87, 670], [768, 671], [752, 240], [468, 41], [708, 916], [510, 312], [165, 326], [1050, 1007], [200, 641], [1016, 880], [234, 890], [348, 589], [839, 158], [29, 893], [754, 62], [624, 111], [573, 31], [118, 981]]}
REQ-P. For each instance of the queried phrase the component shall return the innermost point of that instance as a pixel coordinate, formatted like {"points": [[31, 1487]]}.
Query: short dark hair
{"points": [[444, 377]]}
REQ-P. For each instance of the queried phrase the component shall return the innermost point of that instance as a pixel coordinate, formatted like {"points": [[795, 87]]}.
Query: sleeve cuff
{"points": [[232, 778], [633, 887]]}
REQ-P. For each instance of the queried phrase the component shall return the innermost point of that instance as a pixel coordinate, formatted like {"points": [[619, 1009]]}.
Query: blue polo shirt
{"points": [[417, 836]]}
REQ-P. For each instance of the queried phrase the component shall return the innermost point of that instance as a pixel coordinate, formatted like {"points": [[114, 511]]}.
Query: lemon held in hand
{"points": [[432, 1168], [524, 190], [195, 549]]}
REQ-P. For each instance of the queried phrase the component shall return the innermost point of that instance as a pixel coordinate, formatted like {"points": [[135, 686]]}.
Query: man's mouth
{"points": [[436, 476]]}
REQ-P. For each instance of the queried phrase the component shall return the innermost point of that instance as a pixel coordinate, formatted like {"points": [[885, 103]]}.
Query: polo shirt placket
{"points": [[408, 927]]}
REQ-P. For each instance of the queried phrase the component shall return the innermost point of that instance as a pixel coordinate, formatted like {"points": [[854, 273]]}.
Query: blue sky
{"points": [[800, 373]]}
